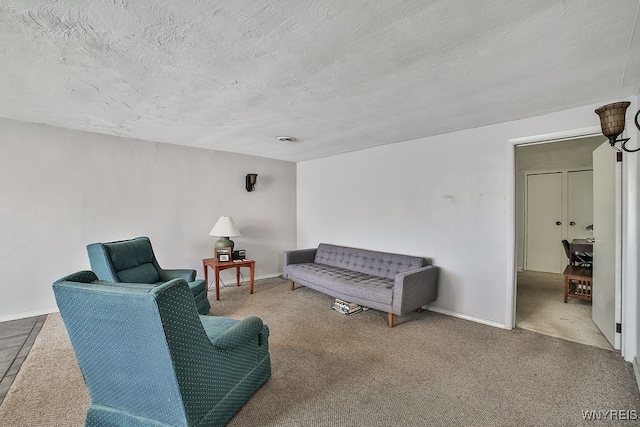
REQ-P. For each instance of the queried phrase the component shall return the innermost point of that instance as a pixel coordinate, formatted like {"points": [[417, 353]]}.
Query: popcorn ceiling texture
{"points": [[338, 75]]}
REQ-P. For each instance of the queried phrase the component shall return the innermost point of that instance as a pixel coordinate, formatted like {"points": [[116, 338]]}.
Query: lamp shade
{"points": [[225, 227], [612, 117]]}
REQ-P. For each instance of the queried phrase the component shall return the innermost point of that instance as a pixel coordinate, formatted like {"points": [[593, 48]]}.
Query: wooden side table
{"points": [[218, 266], [577, 283]]}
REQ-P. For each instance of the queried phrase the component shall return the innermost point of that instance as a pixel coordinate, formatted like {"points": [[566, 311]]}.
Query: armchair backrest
{"points": [[141, 349], [131, 261]]}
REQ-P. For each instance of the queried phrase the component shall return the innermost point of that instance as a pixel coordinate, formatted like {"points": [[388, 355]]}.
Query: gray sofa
{"points": [[396, 284]]}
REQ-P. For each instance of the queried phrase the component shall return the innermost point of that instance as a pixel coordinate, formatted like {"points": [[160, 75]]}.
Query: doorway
{"points": [[539, 302]]}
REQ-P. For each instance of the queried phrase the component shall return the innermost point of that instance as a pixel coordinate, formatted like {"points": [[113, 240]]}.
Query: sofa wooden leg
{"points": [[391, 320], [293, 284], [419, 310]]}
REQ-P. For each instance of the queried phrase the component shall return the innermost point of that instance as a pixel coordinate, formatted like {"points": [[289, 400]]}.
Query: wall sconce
{"points": [[250, 181], [612, 117]]}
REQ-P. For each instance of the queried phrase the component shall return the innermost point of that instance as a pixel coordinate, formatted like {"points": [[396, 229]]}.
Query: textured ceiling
{"points": [[338, 75]]}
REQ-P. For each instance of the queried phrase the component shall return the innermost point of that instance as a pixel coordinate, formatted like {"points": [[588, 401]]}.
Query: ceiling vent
{"points": [[286, 139]]}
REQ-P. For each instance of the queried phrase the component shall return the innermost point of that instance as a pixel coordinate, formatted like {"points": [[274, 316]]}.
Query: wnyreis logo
{"points": [[610, 415]]}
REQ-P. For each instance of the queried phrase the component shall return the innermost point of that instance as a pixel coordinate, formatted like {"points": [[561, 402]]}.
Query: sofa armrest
{"points": [[298, 256], [170, 274], [415, 288], [246, 330]]}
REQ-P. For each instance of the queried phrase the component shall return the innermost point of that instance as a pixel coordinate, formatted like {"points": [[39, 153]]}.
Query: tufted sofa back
{"points": [[380, 264]]}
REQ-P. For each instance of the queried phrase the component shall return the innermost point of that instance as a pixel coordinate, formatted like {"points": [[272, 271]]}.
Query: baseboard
{"points": [[267, 276], [230, 280], [27, 314], [467, 317]]}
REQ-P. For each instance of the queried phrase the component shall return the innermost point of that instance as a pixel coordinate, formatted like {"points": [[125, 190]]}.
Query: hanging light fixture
{"points": [[612, 118]]}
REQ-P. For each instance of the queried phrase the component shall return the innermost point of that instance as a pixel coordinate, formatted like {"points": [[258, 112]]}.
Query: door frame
{"points": [[628, 292], [512, 270]]}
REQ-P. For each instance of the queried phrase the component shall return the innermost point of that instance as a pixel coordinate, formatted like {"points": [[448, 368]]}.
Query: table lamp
{"points": [[225, 228]]}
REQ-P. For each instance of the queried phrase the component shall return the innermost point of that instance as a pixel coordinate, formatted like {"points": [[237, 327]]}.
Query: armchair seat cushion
{"points": [[216, 326], [196, 287]]}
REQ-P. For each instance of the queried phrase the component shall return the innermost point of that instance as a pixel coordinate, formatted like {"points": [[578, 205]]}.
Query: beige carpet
{"points": [[336, 370], [540, 308]]}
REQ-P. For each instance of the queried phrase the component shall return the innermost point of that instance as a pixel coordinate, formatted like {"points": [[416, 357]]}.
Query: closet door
{"points": [[579, 204], [544, 222]]}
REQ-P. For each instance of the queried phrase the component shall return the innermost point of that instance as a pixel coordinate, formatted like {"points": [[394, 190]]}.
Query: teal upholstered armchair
{"points": [[149, 359], [133, 261]]}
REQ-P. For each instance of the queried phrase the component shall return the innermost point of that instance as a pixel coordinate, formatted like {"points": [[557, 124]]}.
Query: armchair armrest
{"points": [[101, 262], [240, 333], [147, 286], [299, 256], [170, 274], [90, 278], [84, 276], [415, 288]]}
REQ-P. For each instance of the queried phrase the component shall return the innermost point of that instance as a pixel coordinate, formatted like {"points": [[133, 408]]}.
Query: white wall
{"points": [[441, 197], [449, 197], [61, 190]]}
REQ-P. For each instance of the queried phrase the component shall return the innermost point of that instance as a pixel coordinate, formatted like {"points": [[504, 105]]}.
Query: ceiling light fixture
{"points": [[612, 118]]}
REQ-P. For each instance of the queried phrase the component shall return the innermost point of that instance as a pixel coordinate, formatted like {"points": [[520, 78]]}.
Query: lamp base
{"points": [[224, 242]]}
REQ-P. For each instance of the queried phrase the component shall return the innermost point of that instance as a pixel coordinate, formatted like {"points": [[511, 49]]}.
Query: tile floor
{"points": [[16, 339]]}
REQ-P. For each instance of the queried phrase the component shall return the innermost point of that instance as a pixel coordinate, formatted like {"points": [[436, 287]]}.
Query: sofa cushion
{"points": [[358, 285], [374, 263]]}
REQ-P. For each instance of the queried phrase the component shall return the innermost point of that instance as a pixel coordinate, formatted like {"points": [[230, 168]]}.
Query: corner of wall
{"points": [[636, 371]]}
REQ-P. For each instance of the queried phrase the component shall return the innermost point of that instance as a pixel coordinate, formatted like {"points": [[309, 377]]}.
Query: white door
{"points": [[579, 204], [544, 222], [606, 250]]}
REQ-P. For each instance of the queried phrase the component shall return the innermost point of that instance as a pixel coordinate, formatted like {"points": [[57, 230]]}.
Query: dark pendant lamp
{"points": [[612, 118]]}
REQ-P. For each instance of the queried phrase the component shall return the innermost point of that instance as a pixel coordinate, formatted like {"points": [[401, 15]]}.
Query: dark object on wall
{"points": [[250, 181]]}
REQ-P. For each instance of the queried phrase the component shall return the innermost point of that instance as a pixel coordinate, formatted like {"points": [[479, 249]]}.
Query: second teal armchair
{"points": [[133, 261], [148, 358]]}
